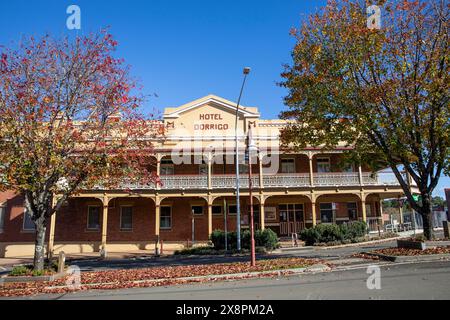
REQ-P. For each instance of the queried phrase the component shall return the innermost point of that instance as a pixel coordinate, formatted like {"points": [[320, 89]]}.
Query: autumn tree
{"points": [[69, 120], [385, 92]]}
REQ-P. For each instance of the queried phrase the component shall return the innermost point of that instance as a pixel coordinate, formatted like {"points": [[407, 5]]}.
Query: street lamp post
{"points": [[251, 148], [238, 207]]}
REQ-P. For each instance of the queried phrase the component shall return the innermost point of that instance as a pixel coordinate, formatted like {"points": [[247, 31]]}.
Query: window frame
{"points": [[25, 214], [318, 162], [87, 222], [121, 213], [349, 169], [355, 209], [170, 218], [199, 206], [331, 209], [203, 169], [293, 163], [217, 206], [167, 165], [2, 217], [228, 210]]}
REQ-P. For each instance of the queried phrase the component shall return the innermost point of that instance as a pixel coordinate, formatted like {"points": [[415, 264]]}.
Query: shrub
{"points": [[332, 233], [20, 271], [266, 238]]}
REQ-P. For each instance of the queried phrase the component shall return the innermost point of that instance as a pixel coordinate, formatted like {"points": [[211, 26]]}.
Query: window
{"points": [[126, 218], [326, 212], [197, 210], [203, 169], [352, 210], [323, 165], [217, 210], [287, 165], [166, 217], [93, 222], [243, 168], [2, 217], [348, 168], [232, 209], [167, 167], [368, 210], [28, 223]]}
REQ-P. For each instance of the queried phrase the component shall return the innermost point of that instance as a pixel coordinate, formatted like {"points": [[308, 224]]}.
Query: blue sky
{"points": [[183, 50]]}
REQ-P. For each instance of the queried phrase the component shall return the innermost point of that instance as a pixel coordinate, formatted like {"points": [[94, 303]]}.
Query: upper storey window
{"points": [[203, 169], [167, 167], [2, 216], [323, 165], [287, 165]]}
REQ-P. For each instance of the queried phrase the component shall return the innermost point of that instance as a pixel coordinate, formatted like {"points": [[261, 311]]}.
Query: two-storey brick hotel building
{"points": [[195, 161]]}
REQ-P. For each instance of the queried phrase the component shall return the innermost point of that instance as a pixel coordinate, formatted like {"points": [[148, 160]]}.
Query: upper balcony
{"points": [[291, 180]]}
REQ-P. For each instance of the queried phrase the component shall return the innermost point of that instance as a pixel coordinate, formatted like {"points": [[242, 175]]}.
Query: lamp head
{"points": [[246, 70]]}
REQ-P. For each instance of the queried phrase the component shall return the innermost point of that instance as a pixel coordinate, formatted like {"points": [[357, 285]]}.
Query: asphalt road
{"points": [[429, 280]]}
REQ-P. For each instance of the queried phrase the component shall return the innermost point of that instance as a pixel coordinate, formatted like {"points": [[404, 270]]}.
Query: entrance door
{"points": [[291, 218]]}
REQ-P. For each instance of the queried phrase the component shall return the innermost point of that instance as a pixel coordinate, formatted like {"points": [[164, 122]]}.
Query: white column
{"points": [[311, 171], [209, 171], [105, 223], [361, 182]]}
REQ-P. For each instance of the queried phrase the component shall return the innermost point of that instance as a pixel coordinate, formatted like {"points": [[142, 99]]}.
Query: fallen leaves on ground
{"points": [[412, 252], [157, 276]]}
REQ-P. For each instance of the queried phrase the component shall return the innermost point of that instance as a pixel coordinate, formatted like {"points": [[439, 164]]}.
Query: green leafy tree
{"points": [[384, 92]]}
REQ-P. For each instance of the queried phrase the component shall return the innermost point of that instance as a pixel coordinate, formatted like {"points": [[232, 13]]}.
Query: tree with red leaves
{"points": [[69, 121]]}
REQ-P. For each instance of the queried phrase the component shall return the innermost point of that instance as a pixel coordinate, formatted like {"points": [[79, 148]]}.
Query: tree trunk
{"points": [[39, 249], [426, 213]]}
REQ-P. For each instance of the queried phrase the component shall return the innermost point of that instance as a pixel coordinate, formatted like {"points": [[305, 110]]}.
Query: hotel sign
{"points": [[210, 121]]}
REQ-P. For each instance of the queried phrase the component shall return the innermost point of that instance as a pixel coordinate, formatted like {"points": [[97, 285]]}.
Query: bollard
{"points": [[162, 248], [61, 261], [103, 253], [157, 247]]}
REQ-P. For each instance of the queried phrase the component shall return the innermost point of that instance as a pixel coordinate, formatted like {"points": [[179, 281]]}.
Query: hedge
{"points": [[263, 238], [323, 233]]}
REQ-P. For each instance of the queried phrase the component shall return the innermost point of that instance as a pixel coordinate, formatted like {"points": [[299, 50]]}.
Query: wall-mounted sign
{"points": [[270, 213], [214, 118]]}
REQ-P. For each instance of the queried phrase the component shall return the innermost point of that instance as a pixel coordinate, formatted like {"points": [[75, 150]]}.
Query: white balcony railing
{"points": [[292, 180], [226, 181], [336, 179], [287, 180], [184, 182]]}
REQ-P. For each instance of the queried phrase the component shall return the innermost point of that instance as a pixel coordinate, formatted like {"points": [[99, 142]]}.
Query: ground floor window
{"points": [[197, 210], [368, 210], [326, 212], [217, 210], [93, 221], [2, 217], [28, 223], [126, 218], [255, 215], [352, 210], [232, 210], [166, 217]]}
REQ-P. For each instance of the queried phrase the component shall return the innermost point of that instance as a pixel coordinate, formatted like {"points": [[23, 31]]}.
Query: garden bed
{"points": [[159, 276], [25, 273], [407, 254]]}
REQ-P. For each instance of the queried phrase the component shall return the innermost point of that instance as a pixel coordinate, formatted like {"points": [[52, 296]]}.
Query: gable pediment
{"points": [[210, 104]]}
